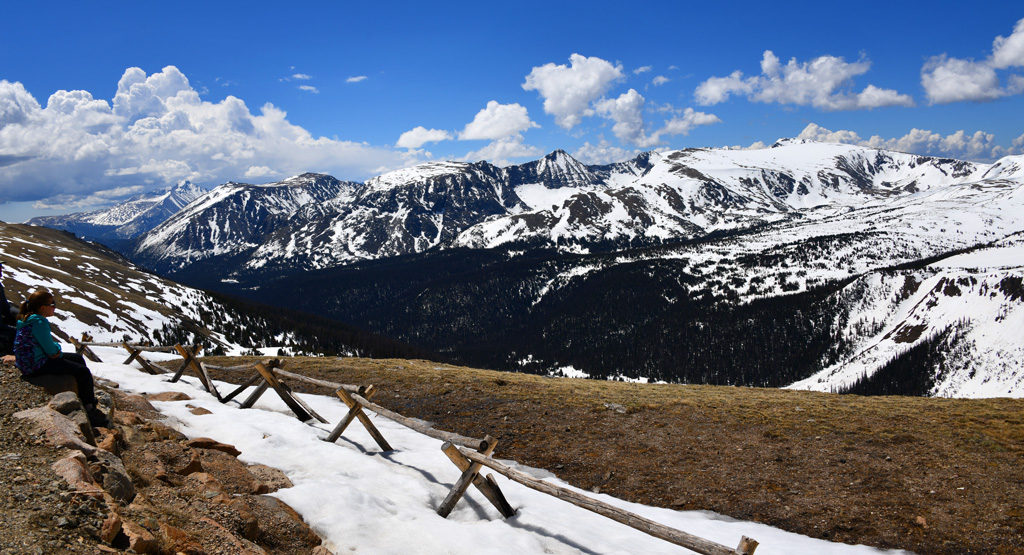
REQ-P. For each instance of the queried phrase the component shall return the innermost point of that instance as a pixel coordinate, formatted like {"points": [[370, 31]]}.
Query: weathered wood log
{"points": [[422, 427], [658, 530], [136, 355], [368, 393], [83, 349], [188, 358], [487, 486], [349, 400], [150, 348], [255, 395], [283, 392], [241, 388], [315, 381]]}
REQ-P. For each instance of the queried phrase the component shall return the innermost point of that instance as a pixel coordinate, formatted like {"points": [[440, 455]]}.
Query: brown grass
{"points": [[929, 475]]}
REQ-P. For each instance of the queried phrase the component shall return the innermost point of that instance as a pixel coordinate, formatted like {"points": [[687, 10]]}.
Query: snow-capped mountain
{"points": [[126, 220], [654, 198]]}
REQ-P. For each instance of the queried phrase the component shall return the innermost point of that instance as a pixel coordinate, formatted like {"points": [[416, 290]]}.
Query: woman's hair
{"points": [[35, 301]]}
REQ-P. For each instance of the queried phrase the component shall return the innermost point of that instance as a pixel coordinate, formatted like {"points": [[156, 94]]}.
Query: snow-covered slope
{"points": [[126, 220], [235, 218], [100, 293], [973, 303], [652, 199]]}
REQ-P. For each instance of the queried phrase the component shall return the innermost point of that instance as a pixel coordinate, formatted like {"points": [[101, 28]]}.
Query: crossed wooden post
{"points": [[190, 362], [83, 349], [471, 475], [355, 410], [267, 379], [136, 355]]}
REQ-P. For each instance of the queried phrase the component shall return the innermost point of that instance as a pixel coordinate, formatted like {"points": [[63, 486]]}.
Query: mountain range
{"points": [[127, 220], [789, 265]]}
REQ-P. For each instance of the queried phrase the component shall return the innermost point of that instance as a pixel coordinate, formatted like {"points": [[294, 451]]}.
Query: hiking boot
{"points": [[96, 418]]}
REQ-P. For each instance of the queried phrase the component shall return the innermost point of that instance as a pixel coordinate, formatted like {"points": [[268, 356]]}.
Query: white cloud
{"points": [[502, 151], [603, 153], [659, 80], [642, 69], [355, 79], [947, 79], [301, 76], [568, 90], [820, 83], [497, 121], [419, 136], [976, 145], [627, 113], [1009, 51], [157, 131], [309, 88], [1018, 143], [684, 123]]}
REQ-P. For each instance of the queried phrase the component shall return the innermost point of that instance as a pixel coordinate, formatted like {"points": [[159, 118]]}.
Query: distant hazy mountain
{"points": [[122, 222]]}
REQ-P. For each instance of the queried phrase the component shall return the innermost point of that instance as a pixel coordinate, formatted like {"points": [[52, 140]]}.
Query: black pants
{"points": [[73, 365]]}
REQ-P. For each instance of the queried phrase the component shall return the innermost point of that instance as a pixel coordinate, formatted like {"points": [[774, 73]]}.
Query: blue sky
{"points": [[258, 91]]}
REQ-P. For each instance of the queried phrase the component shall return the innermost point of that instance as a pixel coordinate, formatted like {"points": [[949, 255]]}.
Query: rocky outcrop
{"points": [[162, 493]]}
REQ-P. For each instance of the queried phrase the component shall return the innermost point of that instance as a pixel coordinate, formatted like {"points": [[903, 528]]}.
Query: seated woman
{"points": [[38, 354]]}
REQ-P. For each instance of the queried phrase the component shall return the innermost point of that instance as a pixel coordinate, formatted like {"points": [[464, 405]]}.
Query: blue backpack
{"points": [[24, 351]]}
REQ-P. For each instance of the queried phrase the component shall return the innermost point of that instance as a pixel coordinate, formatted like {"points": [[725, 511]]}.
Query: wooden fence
{"points": [[468, 454]]}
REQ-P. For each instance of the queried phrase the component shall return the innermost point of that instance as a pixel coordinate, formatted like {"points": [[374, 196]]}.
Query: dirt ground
{"points": [[927, 475]]}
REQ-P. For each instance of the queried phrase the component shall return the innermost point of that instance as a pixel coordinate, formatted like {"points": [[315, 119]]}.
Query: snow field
{"points": [[362, 500]]}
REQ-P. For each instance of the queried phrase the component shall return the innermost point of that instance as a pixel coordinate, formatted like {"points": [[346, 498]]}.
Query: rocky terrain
{"points": [[138, 486]]}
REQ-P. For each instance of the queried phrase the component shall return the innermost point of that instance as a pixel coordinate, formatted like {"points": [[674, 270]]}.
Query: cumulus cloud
{"points": [[502, 151], [962, 144], [301, 76], [821, 83], [568, 90], [355, 79], [603, 153], [659, 80], [419, 136], [642, 69], [1009, 51], [497, 121], [154, 132], [309, 88], [946, 79], [627, 113]]}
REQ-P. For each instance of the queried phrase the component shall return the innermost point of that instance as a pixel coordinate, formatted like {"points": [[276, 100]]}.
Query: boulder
{"points": [[269, 479], [114, 475], [66, 403], [110, 528], [74, 469], [54, 384], [140, 540], [58, 429]]}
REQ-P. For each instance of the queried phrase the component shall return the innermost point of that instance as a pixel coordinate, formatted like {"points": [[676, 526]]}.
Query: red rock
{"points": [[111, 528], [208, 443], [168, 396], [75, 470], [139, 539]]}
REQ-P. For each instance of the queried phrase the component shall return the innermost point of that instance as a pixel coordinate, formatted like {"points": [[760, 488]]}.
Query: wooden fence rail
{"points": [[473, 455], [633, 520]]}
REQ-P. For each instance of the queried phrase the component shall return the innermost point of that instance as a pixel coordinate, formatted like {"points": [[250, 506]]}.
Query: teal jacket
{"points": [[44, 344]]}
